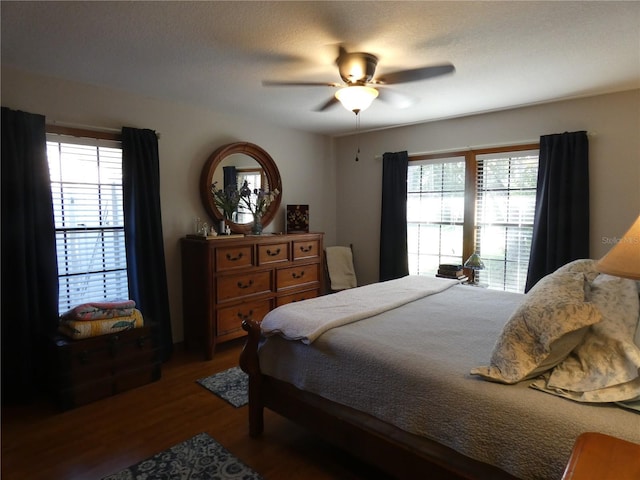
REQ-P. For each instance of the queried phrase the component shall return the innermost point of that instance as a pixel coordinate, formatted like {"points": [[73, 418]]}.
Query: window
{"points": [[255, 179], [481, 201], [86, 189], [505, 206], [435, 213]]}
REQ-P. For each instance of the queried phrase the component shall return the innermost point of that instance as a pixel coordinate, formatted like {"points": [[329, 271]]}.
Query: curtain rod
{"points": [[477, 147], [90, 127]]}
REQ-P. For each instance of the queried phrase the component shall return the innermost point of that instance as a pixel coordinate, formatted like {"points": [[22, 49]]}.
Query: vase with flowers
{"points": [[256, 201], [227, 200]]}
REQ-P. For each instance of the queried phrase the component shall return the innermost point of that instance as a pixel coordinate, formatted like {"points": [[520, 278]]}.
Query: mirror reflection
{"points": [[231, 174], [229, 169]]}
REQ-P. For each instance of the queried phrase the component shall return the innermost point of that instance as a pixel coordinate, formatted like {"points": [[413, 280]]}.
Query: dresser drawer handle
{"points": [[306, 248], [245, 285], [297, 275], [236, 258], [273, 254], [248, 316]]}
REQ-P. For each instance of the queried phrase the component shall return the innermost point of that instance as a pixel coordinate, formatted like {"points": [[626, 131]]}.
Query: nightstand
{"points": [[596, 456]]}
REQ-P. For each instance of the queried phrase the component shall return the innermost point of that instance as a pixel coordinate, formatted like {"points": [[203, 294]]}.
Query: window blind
{"points": [[86, 189], [505, 208], [435, 213]]}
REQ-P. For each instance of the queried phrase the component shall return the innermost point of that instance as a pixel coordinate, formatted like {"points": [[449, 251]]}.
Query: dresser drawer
{"points": [[306, 249], [297, 297], [277, 252], [295, 276], [230, 258], [230, 318], [237, 286]]}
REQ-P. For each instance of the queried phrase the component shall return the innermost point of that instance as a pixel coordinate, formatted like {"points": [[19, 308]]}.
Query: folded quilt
{"points": [[307, 320], [78, 329], [100, 310]]}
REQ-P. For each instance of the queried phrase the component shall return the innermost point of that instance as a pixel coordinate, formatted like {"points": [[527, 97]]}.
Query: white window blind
{"points": [[435, 213], [86, 187], [505, 207]]}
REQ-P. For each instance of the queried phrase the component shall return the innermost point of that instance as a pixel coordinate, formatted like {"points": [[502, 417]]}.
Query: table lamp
{"points": [[623, 260], [474, 263]]}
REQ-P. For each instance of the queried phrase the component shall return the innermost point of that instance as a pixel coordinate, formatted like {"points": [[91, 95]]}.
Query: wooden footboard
{"points": [[250, 364], [389, 448]]}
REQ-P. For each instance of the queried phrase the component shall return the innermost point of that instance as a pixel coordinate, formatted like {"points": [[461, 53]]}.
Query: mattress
{"points": [[410, 367]]}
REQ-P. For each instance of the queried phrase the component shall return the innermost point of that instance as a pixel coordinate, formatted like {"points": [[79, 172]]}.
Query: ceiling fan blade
{"points": [[328, 104], [275, 83], [395, 98], [404, 76]]}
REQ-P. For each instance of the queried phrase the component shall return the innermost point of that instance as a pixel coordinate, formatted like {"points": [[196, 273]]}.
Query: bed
{"points": [[434, 382]]}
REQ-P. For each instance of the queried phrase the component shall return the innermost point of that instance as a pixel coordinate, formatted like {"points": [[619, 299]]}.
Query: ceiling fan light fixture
{"points": [[356, 98]]}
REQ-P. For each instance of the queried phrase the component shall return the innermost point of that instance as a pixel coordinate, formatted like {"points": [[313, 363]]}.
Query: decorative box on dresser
{"points": [[228, 279]]}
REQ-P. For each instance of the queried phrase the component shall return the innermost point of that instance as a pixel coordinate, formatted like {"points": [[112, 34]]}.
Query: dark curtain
{"points": [[561, 222], [143, 232], [394, 261], [29, 262], [230, 178]]}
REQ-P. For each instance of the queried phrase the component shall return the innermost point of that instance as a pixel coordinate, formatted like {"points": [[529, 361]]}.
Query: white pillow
{"points": [[550, 323]]}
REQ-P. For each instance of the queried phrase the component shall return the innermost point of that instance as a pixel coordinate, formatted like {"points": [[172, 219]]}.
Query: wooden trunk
{"points": [[83, 371]]}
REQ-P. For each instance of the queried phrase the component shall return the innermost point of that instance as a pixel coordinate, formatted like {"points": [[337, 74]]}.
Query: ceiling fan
{"points": [[360, 87]]}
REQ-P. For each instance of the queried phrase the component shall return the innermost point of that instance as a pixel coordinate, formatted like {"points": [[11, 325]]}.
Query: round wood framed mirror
{"points": [[249, 160]]}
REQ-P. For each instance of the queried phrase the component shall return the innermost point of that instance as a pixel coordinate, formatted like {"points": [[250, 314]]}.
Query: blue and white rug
{"points": [[199, 458], [231, 385]]}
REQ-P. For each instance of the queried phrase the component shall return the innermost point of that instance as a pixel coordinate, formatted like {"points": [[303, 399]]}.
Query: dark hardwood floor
{"points": [[89, 442]]}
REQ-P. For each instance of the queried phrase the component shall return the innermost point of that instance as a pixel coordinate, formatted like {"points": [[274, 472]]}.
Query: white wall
{"points": [[188, 135], [344, 195], [613, 122]]}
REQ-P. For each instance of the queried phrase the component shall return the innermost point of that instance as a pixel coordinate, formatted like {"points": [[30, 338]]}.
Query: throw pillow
{"points": [[545, 328]]}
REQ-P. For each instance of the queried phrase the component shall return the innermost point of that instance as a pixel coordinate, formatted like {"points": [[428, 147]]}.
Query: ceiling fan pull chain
{"points": [[357, 134]]}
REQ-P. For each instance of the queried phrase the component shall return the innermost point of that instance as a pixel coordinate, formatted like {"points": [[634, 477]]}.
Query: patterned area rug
{"points": [[199, 458], [231, 385]]}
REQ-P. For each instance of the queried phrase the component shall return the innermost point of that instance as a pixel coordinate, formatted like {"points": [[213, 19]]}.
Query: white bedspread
{"points": [[409, 367], [308, 320]]}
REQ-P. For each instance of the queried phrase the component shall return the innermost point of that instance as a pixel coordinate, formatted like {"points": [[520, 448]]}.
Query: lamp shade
{"points": [[356, 98], [474, 262], [623, 260]]}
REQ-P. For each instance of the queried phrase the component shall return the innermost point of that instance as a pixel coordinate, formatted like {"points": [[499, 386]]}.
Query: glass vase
{"points": [[256, 228]]}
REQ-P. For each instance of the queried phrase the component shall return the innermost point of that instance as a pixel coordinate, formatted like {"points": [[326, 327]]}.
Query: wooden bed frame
{"points": [[378, 443]]}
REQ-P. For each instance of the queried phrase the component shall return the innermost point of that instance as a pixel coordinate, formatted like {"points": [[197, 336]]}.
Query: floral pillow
{"points": [[605, 367], [542, 332], [583, 265]]}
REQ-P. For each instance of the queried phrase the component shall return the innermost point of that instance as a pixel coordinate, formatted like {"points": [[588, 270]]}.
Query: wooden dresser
{"points": [[226, 280]]}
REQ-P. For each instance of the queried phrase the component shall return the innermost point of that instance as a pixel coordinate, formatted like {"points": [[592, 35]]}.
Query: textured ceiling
{"points": [[216, 54]]}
